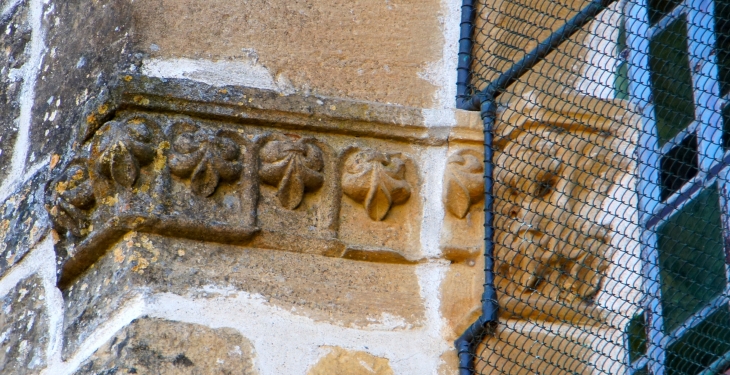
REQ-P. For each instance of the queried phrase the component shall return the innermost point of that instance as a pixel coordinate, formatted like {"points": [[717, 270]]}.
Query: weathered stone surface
{"points": [[24, 328], [155, 346], [339, 291], [462, 234], [552, 180], [306, 191], [461, 293], [23, 222], [88, 46], [340, 49], [346, 362], [522, 348], [15, 36]]}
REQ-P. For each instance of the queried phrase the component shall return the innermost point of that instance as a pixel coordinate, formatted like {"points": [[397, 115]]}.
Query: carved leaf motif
{"points": [[125, 147], [69, 197], [377, 181], [293, 167], [205, 158], [204, 179], [122, 166], [464, 182]]}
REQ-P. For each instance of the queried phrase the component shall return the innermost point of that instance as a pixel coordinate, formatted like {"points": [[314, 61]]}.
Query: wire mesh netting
{"points": [[611, 187]]}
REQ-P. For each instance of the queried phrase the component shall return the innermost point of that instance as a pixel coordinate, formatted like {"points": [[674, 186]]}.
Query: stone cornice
{"points": [[251, 106]]}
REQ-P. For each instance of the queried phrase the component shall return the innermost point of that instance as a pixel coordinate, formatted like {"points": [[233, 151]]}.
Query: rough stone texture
{"points": [[523, 348], [15, 35], [87, 47], [272, 187], [461, 292], [154, 346], [23, 222], [370, 50], [346, 362], [507, 30], [24, 328], [552, 181], [339, 291]]}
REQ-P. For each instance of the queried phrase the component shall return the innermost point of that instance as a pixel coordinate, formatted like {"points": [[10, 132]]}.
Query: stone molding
{"points": [[292, 179]]}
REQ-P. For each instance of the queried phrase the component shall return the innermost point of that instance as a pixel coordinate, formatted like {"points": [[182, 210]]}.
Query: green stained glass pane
{"points": [[691, 258], [722, 30], [671, 80], [636, 332], [659, 8], [701, 346]]}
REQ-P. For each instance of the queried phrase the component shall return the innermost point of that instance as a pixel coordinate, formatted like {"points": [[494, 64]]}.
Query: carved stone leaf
{"points": [[183, 165], [464, 182], [204, 180], [122, 166], [377, 181], [125, 147], [293, 167], [204, 157], [69, 198]]}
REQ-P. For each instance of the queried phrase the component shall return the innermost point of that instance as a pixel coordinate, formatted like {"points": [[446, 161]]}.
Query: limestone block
{"points": [[15, 36], [369, 50], [338, 291], [347, 362], [155, 346], [85, 45], [381, 199], [23, 222], [24, 330], [461, 292], [507, 30], [523, 348]]}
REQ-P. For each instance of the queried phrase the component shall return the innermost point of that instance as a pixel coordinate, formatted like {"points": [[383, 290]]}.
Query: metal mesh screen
{"points": [[607, 245]]}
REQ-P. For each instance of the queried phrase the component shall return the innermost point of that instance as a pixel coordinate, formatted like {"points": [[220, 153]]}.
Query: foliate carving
{"points": [[550, 190], [125, 147], [463, 182], [70, 195], [293, 166], [207, 158], [376, 180]]}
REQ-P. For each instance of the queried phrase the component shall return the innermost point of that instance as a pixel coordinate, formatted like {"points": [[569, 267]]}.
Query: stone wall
{"points": [[257, 187]]}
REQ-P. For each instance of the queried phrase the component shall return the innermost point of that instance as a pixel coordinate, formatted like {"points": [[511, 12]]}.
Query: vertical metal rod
{"points": [[487, 323], [465, 46]]}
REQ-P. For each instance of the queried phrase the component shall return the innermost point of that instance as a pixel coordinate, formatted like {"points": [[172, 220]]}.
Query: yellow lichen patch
{"points": [[141, 262], [139, 99], [110, 200], [61, 187], [161, 159], [118, 255], [79, 175]]}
